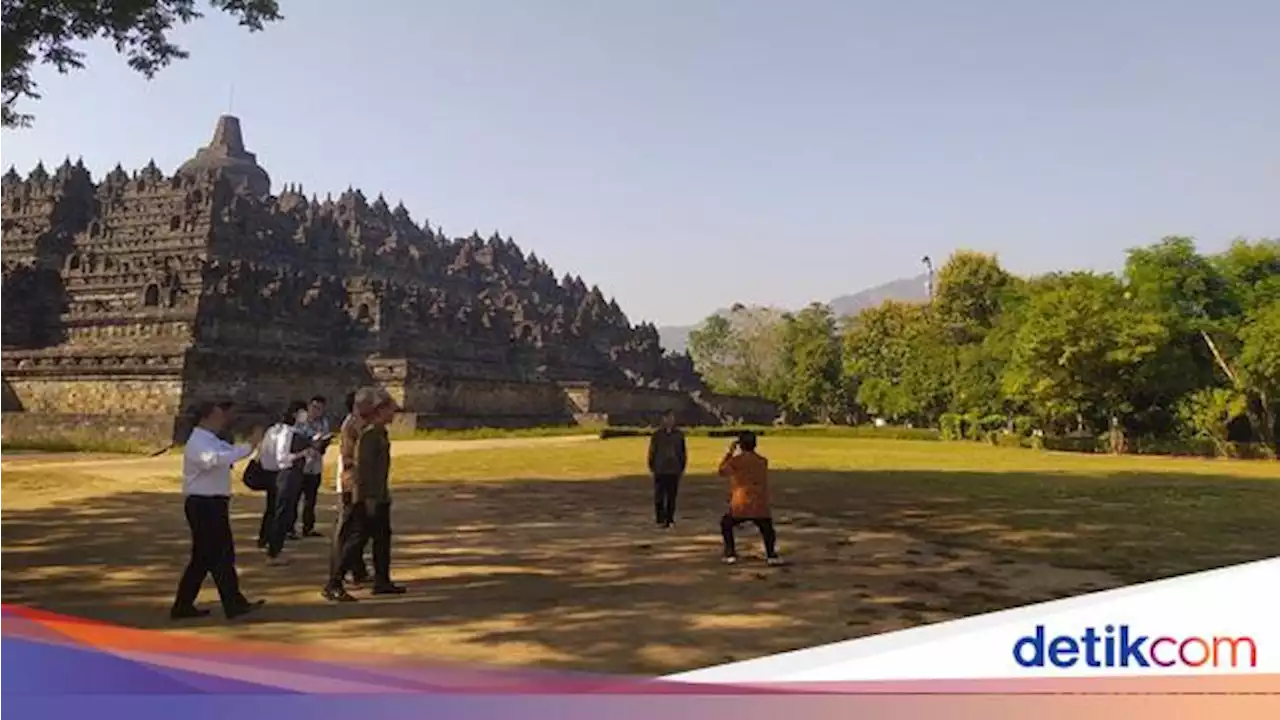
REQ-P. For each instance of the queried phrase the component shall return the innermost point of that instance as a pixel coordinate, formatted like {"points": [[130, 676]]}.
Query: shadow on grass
{"points": [[573, 574]]}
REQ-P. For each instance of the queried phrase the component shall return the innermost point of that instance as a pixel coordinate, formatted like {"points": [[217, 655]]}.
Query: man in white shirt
{"points": [[291, 450], [206, 485]]}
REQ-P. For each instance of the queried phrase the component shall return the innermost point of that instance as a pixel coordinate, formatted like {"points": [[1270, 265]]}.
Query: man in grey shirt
{"points": [[316, 429]]}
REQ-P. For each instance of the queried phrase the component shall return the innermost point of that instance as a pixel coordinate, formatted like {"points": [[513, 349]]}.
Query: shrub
{"points": [[1023, 424], [1192, 447], [951, 426], [1010, 440], [612, 432], [831, 431], [1075, 443], [972, 427], [992, 422]]}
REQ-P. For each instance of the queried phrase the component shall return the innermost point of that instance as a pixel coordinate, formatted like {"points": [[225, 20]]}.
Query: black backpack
{"points": [[256, 477]]}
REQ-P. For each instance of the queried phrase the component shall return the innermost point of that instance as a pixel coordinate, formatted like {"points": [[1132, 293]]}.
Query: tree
{"points": [[971, 286], [1189, 293], [44, 32], [898, 358], [812, 363], [1209, 411], [712, 345], [741, 353], [1238, 341], [1251, 271], [1081, 348], [759, 334], [1260, 371]]}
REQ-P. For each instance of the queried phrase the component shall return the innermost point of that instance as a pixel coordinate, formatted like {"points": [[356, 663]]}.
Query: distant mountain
{"points": [[675, 338], [904, 290]]}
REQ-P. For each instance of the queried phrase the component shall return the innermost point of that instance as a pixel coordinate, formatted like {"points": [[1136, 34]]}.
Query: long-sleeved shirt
{"points": [[748, 475], [278, 445], [667, 455], [373, 466], [348, 438], [206, 464], [313, 429]]}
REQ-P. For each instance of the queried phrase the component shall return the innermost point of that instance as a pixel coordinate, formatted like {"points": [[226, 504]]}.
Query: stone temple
{"points": [[126, 300]]}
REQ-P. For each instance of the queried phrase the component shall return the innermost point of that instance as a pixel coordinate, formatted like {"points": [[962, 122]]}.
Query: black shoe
{"points": [[311, 533], [187, 613], [389, 589], [262, 544], [337, 595], [245, 609]]}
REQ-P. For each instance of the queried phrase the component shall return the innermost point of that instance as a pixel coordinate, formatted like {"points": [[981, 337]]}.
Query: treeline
{"points": [[1181, 350]]}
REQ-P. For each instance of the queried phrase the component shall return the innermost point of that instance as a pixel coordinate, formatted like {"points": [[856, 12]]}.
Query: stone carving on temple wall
{"points": [[211, 239]]}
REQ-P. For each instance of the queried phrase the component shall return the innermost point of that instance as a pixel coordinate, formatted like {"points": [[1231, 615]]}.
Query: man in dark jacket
{"points": [[370, 506], [667, 460]]}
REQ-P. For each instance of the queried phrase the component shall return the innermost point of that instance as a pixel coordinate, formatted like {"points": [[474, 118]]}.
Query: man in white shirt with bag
{"points": [[206, 487]]}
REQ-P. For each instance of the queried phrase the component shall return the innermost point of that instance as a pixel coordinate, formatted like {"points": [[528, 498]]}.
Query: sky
{"points": [[689, 154]]}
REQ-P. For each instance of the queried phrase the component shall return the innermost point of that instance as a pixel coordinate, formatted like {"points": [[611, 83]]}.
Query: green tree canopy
{"points": [[1081, 347], [971, 286], [811, 361]]}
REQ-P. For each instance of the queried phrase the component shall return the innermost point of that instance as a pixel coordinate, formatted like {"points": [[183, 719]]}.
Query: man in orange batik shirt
{"points": [[748, 474]]}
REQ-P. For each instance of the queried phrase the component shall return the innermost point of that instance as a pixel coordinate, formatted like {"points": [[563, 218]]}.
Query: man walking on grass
{"points": [[315, 427], [292, 449], [370, 505], [359, 405], [667, 460], [748, 474], [206, 485]]}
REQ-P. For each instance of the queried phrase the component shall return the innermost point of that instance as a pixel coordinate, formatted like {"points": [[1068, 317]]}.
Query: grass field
{"points": [[541, 551]]}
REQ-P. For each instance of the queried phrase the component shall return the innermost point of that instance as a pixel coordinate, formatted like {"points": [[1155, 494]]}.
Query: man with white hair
{"points": [[361, 405], [369, 515]]}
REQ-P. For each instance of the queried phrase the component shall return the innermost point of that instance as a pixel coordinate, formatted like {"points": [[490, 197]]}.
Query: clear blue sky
{"points": [[688, 154]]}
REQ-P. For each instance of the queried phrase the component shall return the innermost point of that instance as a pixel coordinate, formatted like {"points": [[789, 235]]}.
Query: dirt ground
{"points": [[552, 573]]}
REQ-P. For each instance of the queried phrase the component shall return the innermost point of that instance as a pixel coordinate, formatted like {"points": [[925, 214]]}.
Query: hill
{"points": [[675, 338]]}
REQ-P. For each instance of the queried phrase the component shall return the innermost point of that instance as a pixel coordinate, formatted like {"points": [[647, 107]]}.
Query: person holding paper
{"points": [[316, 428]]}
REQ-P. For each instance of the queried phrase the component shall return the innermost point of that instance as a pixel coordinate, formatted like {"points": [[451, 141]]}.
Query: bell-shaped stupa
{"points": [[226, 153]]}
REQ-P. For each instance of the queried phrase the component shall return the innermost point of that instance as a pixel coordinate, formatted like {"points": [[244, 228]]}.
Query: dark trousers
{"points": [[268, 514], [310, 493], [213, 552], [344, 527], [729, 522], [665, 488], [362, 525], [288, 489]]}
